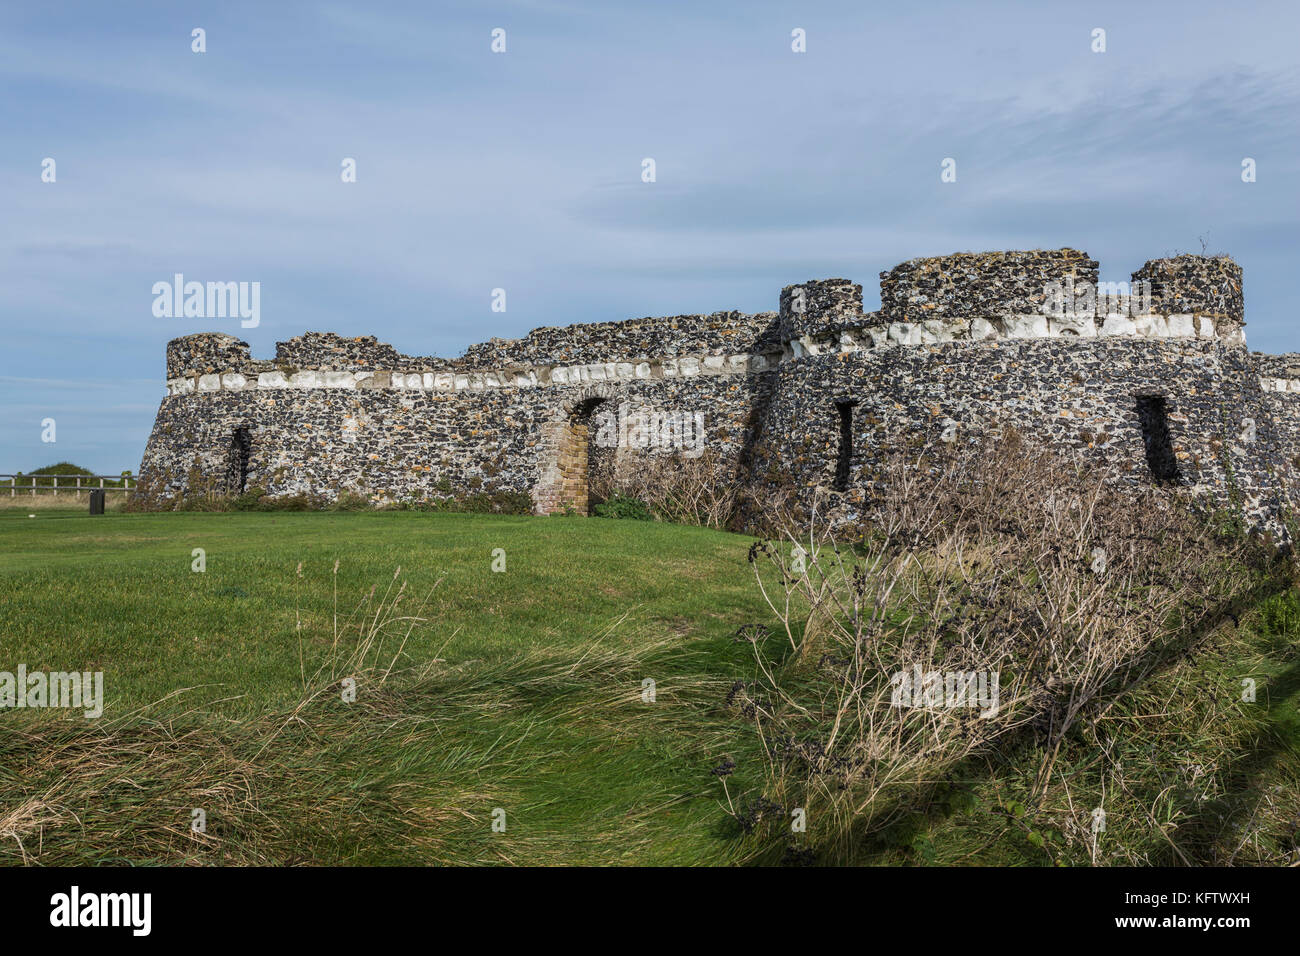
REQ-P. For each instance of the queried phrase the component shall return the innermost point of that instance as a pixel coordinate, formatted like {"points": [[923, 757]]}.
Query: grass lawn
{"points": [[521, 691]]}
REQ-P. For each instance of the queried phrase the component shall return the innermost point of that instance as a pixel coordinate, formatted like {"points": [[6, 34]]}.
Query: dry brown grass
{"points": [[693, 490], [65, 500], [1069, 586]]}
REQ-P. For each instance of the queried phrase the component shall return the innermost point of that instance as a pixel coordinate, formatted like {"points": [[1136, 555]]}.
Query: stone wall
{"points": [[1081, 398], [206, 353], [722, 333], [1279, 376], [415, 442], [983, 285], [963, 344], [813, 312], [1204, 285], [328, 352]]}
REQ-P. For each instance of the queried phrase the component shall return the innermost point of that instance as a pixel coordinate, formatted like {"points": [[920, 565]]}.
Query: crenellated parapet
{"points": [[719, 333], [1205, 286], [205, 353], [961, 297], [818, 309], [327, 352], [1020, 295], [960, 288]]}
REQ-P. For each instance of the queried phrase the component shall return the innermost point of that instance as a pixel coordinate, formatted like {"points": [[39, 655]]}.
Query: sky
{"points": [[522, 170]]}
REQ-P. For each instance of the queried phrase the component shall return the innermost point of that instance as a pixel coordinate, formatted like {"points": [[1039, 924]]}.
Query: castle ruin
{"points": [[1154, 381]]}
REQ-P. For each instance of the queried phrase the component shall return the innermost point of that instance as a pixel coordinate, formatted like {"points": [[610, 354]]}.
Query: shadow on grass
{"points": [[897, 832]]}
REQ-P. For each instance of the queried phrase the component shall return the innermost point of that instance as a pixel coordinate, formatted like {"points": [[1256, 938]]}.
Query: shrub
{"points": [[624, 506], [497, 501], [1280, 614], [351, 501], [256, 499], [250, 500], [699, 490], [298, 502], [491, 501], [997, 560]]}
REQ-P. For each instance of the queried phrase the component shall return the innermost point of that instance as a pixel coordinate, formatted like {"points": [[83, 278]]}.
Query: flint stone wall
{"points": [[414, 443], [1279, 376], [1206, 285], [722, 333], [815, 311], [963, 344], [1078, 398], [979, 285]]}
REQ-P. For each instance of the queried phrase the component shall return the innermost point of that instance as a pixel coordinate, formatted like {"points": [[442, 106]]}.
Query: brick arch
{"points": [[567, 454], [585, 395]]}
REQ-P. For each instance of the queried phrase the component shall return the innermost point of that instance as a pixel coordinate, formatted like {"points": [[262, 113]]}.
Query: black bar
{"points": [[339, 905]]}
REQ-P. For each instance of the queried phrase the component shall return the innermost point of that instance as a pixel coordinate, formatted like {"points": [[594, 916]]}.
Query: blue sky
{"points": [[523, 170]]}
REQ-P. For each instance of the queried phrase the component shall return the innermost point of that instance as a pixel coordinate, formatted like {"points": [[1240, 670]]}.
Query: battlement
{"points": [[1200, 285], [215, 353], [964, 296], [1013, 295], [327, 352], [819, 308], [983, 285], [205, 353]]}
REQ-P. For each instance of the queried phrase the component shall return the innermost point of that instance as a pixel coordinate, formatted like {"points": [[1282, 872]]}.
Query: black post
{"points": [[97, 502]]}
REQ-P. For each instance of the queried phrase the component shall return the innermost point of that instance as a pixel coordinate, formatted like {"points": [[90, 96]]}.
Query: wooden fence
{"points": [[54, 484]]}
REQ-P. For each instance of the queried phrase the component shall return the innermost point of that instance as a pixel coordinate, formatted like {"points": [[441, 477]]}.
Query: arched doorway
{"points": [[578, 456], [586, 461]]}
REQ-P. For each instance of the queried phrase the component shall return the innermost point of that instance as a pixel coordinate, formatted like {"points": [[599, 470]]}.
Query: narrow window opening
{"points": [[1154, 418], [845, 457], [241, 450]]}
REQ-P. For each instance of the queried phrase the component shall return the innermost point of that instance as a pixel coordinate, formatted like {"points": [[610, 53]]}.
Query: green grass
{"points": [[1187, 773], [117, 592], [522, 691], [533, 705]]}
